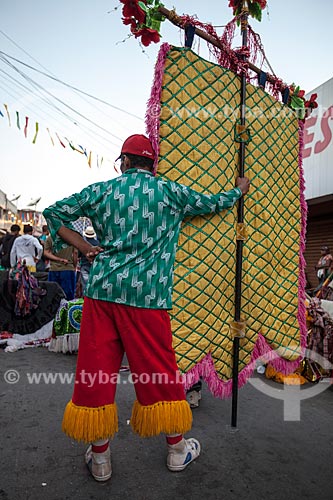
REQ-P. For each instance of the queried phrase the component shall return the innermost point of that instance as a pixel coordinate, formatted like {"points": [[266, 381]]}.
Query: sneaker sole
{"points": [[179, 468]]}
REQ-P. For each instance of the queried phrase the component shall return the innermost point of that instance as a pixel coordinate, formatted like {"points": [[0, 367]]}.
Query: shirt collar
{"points": [[137, 170]]}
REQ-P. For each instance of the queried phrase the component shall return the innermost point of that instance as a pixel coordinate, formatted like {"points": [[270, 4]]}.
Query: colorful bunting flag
{"points": [[80, 149], [63, 145], [84, 151], [18, 120], [70, 144], [36, 133], [8, 115], [50, 136], [26, 126]]}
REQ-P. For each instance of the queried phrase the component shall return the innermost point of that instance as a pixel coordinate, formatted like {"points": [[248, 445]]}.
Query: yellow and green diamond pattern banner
{"points": [[197, 133]]}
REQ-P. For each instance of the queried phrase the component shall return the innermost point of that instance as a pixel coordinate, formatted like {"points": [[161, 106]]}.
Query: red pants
{"points": [[107, 330]]}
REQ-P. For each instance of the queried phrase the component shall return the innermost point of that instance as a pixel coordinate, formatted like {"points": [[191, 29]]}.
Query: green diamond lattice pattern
{"points": [[199, 110]]}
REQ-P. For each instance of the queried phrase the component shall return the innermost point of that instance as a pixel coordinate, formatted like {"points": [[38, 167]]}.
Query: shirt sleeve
{"points": [[13, 255], [67, 211], [39, 249], [200, 204]]}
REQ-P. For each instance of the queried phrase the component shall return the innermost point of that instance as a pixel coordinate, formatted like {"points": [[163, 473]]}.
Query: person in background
{"points": [[26, 249], [324, 265], [45, 233], [193, 394], [85, 265], [7, 244], [62, 267], [3, 233], [137, 218], [43, 264]]}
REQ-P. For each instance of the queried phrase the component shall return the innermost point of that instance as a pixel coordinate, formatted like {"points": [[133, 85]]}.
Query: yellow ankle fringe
{"points": [[90, 424], [169, 417]]}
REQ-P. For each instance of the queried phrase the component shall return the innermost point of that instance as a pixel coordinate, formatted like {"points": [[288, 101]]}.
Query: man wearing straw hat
{"points": [[137, 218], [85, 265]]}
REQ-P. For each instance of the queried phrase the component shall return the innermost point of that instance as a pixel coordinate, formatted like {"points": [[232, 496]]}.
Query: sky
{"points": [[85, 45]]}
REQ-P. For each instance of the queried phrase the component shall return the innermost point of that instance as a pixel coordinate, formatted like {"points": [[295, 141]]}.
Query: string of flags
{"points": [[64, 142]]}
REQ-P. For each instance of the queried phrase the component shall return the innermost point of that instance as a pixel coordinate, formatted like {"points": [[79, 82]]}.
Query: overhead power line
{"points": [[71, 86], [84, 98], [48, 98], [40, 87], [23, 50]]}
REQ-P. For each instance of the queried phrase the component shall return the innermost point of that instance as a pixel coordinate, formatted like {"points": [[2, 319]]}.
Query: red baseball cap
{"points": [[138, 145]]}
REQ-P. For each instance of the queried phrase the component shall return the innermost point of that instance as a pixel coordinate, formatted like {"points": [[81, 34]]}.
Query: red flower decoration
{"points": [[234, 4], [301, 93], [147, 36], [311, 103], [132, 9], [262, 3], [237, 4], [143, 23], [130, 21]]}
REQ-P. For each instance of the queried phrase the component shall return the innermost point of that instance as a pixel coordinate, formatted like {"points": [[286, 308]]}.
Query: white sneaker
{"points": [[99, 464], [193, 398], [182, 454]]}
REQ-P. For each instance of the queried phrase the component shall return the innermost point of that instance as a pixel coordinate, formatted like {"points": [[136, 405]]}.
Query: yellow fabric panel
{"points": [[199, 111]]}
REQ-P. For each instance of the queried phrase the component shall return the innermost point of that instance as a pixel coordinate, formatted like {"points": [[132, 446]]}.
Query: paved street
{"points": [[265, 458]]}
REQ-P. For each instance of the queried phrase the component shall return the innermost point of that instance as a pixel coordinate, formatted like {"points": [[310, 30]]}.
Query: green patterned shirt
{"points": [[137, 218]]}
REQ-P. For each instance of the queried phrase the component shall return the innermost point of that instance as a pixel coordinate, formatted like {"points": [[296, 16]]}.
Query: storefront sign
{"points": [[318, 145]]}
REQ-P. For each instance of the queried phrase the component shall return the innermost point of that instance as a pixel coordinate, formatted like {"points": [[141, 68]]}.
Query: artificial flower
{"points": [[262, 3], [130, 21], [255, 7], [148, 35], [132, 9], [235, 5], [311, 103]]}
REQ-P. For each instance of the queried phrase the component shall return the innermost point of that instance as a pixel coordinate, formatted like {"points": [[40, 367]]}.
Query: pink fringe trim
{"points": [[154, 102], [262, 350]]}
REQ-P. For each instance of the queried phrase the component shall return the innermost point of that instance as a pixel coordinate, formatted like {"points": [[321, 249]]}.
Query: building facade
{"points": [[318, 172], [8, 212]]}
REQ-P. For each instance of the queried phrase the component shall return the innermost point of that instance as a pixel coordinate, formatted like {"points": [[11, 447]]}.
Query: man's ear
{"points": [[127, 162]]}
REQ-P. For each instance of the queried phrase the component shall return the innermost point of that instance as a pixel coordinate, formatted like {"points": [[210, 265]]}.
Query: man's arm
{"points": [[243, 183], [51, 256], [75, 257], [63, 213], [39, 249], [200, 204], [75, 239], [13, 256]]}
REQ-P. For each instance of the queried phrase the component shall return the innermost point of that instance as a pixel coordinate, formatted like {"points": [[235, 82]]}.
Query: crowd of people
{"points": [[65, 267]]}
